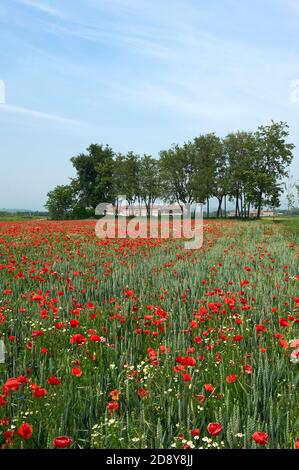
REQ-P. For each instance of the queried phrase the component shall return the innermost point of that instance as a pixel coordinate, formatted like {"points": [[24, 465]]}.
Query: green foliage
{"points": [[149, 181], [239, 150], [272, 155], [60, 202], [126, 175], [244, 166], [94, 179], [177, 174]]}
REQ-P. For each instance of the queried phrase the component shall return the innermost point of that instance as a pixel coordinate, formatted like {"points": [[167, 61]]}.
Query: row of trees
{"points": [[245, 167]]}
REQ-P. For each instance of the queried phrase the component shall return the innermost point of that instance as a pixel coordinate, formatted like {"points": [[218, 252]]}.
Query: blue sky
{"points": [[138, 75]]}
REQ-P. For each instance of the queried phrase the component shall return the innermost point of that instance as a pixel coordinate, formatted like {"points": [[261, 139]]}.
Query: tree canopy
{"points": [[245, 167]]}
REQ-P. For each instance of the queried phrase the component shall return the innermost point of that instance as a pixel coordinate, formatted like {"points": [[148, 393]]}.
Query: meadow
{"points": [[143, 344]]}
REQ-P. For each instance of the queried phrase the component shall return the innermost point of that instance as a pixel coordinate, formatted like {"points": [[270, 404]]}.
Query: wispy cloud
{"points": [[36, 114], [148, 47], [42, 7], [160, 97], [131, 42]]}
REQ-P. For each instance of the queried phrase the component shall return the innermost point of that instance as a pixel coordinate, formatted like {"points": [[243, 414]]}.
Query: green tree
{"points": [[239, 148], [273, 155], [149, 181], [222, 179], [206, 155], [94, 178], [60, 202], [126, 176], [177, 171]]}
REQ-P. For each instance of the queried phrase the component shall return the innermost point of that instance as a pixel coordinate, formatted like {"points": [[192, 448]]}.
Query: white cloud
{"points": [[160, 97], [36, 114], [40, 7]]}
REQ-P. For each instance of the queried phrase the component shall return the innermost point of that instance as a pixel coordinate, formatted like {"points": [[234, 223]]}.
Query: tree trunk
{"points": [[259, 211], [241, 205], [248, 212], [116, 208], [259, 205], [219, 205], [148, 208], [225, 206], [237, 207], [180, 204], [208, 208]]}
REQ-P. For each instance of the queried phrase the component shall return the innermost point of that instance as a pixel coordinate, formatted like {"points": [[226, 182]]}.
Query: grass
{"points": [[289, 225], [20, 218], [149, 341]]}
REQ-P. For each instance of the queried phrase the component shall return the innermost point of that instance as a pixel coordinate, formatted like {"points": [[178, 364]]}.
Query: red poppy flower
{"points": [[195, 432], [76, 371], [77, 338], [186, 377], [4, 421], [95, 338], [25, 431], [3, 402], [238, 338], [142, 392], [7, 291], [260, 328], [214, 429], [200, 398], [129, 293], [62, 442], [260, 438], [230, 379], [209, 388], [23, 379], [12, 384], [39, 392], [37, 333], [186, 360], [90, 305], [112, 406], [198, 339], [247, 369], [54, 380], [8, 435]]}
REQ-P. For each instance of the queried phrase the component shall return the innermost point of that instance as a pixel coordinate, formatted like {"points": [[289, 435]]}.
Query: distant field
{"points": [[287, 224], [19, 217]]}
